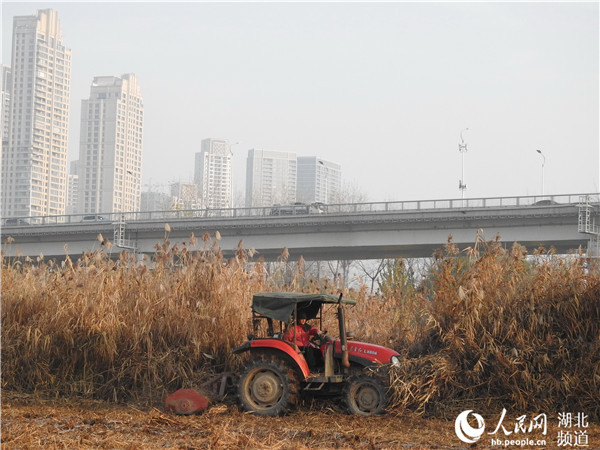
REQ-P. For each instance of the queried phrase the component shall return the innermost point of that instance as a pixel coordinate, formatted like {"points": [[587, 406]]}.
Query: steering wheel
{"points": [[319, 339]]}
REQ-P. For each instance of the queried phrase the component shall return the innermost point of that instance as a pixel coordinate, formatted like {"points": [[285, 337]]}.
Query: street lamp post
{"points": [[543, 164], [462, 148]]}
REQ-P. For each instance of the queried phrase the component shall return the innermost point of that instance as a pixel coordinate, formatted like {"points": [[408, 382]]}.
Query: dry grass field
{"points": [[30, 423], [484, 329]]}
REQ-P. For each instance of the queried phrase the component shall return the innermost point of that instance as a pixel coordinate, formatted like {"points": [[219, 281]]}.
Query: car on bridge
{"points": [[545, 203], [15, 222], [298, 208], [94, 218]]}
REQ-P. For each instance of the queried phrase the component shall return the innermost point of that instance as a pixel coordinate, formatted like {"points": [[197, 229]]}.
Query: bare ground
{"points": [[29, 422]]}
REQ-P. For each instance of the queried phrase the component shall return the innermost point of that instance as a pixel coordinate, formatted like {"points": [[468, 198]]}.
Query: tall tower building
{"points": [[270, 178], [212, 174], [184, 196], [34, 162], [6, 79], [72, 188], [319, 180], [110, 147]]}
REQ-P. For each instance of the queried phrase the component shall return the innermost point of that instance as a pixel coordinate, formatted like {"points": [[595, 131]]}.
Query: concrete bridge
{"points": [[343, 231]]}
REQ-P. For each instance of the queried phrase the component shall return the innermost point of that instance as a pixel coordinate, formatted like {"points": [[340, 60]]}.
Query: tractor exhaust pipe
{"points": [[342, 327]]}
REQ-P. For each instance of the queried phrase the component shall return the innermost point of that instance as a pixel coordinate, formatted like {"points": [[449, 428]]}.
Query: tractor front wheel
{"points": [[268, 388], [365, 395]]}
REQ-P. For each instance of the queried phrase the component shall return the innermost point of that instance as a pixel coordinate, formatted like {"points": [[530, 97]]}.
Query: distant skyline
{"points": [[384, 89]]}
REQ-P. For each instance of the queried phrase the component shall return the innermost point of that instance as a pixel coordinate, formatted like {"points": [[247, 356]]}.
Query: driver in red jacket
{"points": [[303, 332]]}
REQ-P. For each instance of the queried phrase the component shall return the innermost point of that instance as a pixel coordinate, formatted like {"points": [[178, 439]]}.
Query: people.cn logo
{"points": [[466, 432]]}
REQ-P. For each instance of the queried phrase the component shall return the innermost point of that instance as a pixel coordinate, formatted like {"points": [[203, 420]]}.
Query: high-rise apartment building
{"points": [[6, 79], [34, 161], [155, 201], [72, 188], [270, 178], [110, 147], [212, 174], [184, 196], [319, 180]]}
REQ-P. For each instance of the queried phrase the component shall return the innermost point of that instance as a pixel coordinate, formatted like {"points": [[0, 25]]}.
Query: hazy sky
{"points": [[384, 89]]}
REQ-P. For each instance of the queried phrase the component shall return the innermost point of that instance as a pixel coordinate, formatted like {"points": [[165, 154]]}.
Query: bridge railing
{"points": [[293, 210], [487, 202]]}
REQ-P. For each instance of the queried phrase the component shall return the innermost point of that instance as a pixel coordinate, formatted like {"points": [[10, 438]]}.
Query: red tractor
{"points": [[278, 371]]}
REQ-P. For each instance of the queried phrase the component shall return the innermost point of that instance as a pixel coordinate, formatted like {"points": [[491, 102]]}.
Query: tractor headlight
{"points": [[395, 361]]}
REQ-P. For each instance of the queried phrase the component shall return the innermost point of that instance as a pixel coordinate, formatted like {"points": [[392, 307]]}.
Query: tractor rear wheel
{"points": [[365, 395], [268, 387]]}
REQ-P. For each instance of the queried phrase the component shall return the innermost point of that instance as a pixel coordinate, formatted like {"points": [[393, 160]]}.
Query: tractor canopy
{"points": [[281, 305]]}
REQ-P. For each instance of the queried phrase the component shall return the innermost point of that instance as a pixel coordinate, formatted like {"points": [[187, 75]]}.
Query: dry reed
{"points": [[116, 329], [505, 330], [487, 325]]}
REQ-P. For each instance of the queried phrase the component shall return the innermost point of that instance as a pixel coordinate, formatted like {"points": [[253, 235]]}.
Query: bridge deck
{"points": [[352, 231]]}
